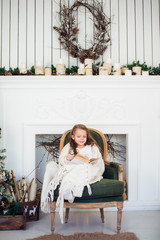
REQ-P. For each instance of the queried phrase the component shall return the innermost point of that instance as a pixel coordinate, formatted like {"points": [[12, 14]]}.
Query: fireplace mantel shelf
{"points": [[79, 81]]}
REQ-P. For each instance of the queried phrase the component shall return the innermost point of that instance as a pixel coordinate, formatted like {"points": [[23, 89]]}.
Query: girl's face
{"points": [[80, 137]]}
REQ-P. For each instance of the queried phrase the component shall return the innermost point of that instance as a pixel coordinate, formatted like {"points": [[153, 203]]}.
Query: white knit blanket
{"points": [[74, 176]]}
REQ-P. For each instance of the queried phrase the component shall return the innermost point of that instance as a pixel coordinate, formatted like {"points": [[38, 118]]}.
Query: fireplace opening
{"points": [[47, 149]]}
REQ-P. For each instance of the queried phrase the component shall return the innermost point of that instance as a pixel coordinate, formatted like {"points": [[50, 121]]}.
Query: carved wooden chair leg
{"points": [[119, 216], [52, 215], [102, 214], [67, 215]]}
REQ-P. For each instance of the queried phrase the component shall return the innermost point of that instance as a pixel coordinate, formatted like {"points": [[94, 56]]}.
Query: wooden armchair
{"points": [[109, 192]]}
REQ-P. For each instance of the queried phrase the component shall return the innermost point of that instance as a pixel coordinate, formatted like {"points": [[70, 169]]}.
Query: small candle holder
{"points": [[89, 71], [117, 69], [23, 69], [137, 70], [60, 67], [128, 72], [103, 70], [81, 69], [108, 65], [39, 70], [123, 70], [88, 63], [48, 71], [145, 73]]}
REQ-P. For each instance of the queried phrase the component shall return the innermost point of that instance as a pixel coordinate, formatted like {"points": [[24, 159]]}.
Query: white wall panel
{"points": [[30, 33], [64, 53], [47, 33], [89, 39], [5, 33], [22, 33], [107, 11], [14, 34], [27, 35], [56, 53], [72, 61], [139, 31], [1, 10], [147, 32], [39, 32], [155, 32], [81, 25], [131, 30], [122, 32], [115, 31]]}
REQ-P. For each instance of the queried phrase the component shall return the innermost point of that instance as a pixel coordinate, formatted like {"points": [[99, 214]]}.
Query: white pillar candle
{"points": [[117, 66], [81, 65], [128, 72], [123, 69], [48, 71], [88, 63], [60, 69], [145, 73], [33, 191], [103, 71], [108, 65], [39, 70], [88, 71], [117, 69], [23, 69], [81, 69], [136, 70]]}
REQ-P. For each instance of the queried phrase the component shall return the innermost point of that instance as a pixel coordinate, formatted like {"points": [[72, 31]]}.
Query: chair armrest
{"points": [[113, 170]]}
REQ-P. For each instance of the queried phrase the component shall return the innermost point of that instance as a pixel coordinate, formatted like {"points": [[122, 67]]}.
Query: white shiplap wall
{"points": [[27, 35]]}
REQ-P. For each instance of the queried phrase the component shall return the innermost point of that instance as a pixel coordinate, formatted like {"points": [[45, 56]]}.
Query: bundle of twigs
{"points": [[115, 149], [68, 30], [51, 146]]}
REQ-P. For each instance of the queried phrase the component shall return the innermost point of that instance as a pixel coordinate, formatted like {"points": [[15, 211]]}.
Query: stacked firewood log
{"points": [[22, 191]]}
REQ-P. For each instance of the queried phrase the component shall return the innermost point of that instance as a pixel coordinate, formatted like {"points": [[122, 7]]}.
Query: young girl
{"points": [[71, 173]]}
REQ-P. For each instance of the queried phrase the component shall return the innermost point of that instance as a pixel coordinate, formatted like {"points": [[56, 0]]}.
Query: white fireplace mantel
{"points": [[31, 105], [39, 82]]}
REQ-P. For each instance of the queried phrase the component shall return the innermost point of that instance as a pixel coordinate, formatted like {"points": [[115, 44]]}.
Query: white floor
{"points": [[145, 224]]}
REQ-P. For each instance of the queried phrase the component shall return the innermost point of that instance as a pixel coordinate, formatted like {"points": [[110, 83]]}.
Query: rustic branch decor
{"points": [[51, 145], [68, 30]]}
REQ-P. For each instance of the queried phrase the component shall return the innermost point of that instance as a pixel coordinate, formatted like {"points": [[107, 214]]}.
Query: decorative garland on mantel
{"points": [[68, 30], [73, 70]]}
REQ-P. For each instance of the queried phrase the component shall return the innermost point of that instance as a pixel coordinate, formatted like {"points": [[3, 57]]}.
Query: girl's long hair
{"points": [[90, 139]]}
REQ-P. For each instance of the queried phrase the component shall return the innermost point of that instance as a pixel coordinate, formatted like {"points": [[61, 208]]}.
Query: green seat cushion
{"points": [[99, 200], [106, 188]]}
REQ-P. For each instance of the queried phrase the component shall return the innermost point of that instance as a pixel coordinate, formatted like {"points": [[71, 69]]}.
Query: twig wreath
{"points": [[68, 30]]}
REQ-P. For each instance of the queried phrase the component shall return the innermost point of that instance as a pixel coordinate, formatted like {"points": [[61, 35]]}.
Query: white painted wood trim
{"points": [[27, 35]]}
